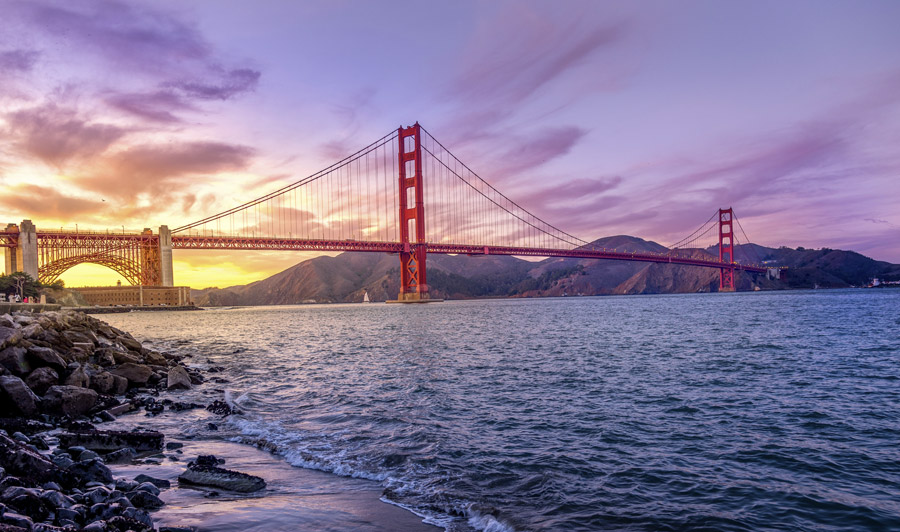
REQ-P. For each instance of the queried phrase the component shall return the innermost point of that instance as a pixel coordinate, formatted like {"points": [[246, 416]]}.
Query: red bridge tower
{"points": [[726, 250], [413, 284]]}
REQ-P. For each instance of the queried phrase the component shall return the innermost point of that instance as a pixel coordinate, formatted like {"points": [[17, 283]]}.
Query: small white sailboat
{"points": [[366, 297]]}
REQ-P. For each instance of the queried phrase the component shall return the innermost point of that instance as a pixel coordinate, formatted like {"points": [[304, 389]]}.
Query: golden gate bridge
{"points": [[403, 194]]}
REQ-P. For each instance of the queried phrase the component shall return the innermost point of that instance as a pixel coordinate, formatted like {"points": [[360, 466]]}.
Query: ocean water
{"points": [[749, 411]]}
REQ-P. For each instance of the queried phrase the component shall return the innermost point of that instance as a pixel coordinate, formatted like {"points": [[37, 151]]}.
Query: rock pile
{"points": [[67, 369]]}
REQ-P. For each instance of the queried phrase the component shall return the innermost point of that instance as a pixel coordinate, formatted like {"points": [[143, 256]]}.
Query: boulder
{"points": [[158, 482], [136, 374], [79, 378], [143, 499], [9, 336], [41, 379], [111, 440], [20, 460], [80, 336], [44, 356], [120, 385], [31, 331], [18, 396], [130, 343], [103, 382], [154, 358], [178, 379], [69, 400], [105, 356], [124, 455], [13, 522], [13, 359], [206, 475], [125, 357], [92, 471]]}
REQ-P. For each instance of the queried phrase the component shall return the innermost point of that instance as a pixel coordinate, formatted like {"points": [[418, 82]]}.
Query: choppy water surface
{"points": [[719, 411]]}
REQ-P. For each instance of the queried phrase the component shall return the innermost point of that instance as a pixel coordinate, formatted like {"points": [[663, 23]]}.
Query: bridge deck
{"points": [[237, 243]]}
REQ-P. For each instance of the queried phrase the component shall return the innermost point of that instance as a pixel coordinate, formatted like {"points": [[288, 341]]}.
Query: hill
{"points": [[346, 277]]}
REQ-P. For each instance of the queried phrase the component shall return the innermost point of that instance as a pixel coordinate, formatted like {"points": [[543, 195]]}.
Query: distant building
{"points": [[138, 296]]}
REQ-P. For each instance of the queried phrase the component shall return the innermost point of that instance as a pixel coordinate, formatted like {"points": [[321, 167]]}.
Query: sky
{"points": [[603, 118]]}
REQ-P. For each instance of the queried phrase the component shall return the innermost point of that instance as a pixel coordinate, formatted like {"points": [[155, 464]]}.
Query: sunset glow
{"points": [[601, 118]]}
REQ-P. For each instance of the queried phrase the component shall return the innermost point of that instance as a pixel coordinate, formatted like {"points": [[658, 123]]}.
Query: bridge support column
{"points": [[9, 254], [413, 283], [27, 250], [167, 276], [726, 250]]}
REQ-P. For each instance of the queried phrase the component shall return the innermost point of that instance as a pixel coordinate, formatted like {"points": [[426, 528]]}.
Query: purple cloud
{"points": [[537, 149], [18, 60], [130, 35], [228, 85], [56, 135], [156, 47], [514, 57], [158, 106]]}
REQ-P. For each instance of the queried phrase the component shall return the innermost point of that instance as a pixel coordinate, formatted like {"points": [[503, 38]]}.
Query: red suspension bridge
{"points": [[404, 194]]}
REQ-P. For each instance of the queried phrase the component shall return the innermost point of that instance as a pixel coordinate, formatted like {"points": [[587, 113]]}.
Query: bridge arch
{"points": [[48, 273]]}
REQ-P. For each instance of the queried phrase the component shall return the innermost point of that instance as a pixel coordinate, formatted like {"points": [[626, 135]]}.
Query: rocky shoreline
{"points": [[63, 374]]}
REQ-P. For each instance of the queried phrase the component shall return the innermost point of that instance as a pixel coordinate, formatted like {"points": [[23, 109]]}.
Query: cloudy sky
{"points": [[648, 116]]}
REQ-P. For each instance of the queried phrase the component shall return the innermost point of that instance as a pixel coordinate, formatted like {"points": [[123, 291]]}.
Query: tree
{"points": [[19, 283]]}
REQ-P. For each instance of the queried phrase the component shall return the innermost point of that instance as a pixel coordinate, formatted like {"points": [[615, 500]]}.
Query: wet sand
{"points": [[295, 498]]}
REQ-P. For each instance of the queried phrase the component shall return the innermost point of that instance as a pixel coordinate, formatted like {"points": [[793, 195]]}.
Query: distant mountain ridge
{"points": [[348, 276]]}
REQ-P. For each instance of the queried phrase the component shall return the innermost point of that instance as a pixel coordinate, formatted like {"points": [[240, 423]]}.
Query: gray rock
{"points": [[63, 461], [148, 487], [20, 460], [9, 336], [136, 374], [80, 336], [124, 357], [68, 514], [122, 456], [21, 437], [110, 440], [154, 358], [125, 485], [140, 516], [96, 526], [30, 331], [44, 356], [13, 359], [102, 382], [130, 343], [18, 396], [19, 520], [105, 356], [55, 499], [158, 482], [69, 400], [92, 471], [79, 378], [88, 455], [120, 385], [41, 379], [178, 379], [221, 478], [143, 499], [96, 495]]}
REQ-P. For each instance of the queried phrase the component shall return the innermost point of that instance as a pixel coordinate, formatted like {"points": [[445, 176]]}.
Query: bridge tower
{"points": [[24, 256], [726, 250], [413, 285]]}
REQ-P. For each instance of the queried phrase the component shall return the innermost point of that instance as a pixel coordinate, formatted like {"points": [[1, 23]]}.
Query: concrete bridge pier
{"points": [[167, 276], [24, 257]]}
